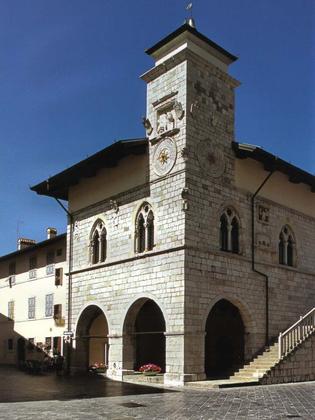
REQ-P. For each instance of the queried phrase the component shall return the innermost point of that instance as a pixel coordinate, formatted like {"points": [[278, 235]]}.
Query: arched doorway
{"points": [[91, 338], [144, 338], [224, 341]]}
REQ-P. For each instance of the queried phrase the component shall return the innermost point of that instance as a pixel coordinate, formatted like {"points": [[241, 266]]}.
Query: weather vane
{"points": [[190, 20], [189, 8]]}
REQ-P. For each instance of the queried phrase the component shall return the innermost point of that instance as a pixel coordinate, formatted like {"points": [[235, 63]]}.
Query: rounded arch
{"points": [[224, 340], [91, 336], [249, 321], [144, 330], [82, 310], [137, 299]]}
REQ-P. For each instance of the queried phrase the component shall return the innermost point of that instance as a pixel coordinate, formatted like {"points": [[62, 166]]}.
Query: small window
{"points": [[11, 309], [229, 231], [144, 235], [49, 303], [287, 247], [31, 308], [58, 276], [57, 311], [33, 263], [98, 243], [50, 257], [12, 268], [10, 344], [59, 252]]}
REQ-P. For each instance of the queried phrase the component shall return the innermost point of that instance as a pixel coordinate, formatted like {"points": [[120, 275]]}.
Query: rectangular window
{"points": [[10, 344], [50, 257], [58, 276], [50, 269], [31, 308], [49, 305], [59, 252], [57, 311], [11, 309], [33, 262], [12, 268]]}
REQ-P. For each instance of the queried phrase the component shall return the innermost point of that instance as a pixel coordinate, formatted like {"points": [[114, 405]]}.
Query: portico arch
{"points": [[144, 335], [225, 339], [91, 337]]}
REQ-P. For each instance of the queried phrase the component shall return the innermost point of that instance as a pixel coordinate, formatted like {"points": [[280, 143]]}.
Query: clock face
{"points": [[211, 160], [164, 157]]}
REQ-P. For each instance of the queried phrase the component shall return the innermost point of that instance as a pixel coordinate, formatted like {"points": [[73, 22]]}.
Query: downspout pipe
{"points": [[253, 256], [69, 346]]}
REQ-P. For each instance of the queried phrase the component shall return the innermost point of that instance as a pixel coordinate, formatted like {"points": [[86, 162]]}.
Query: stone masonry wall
{"points": [[298, 366], [211, 274]]}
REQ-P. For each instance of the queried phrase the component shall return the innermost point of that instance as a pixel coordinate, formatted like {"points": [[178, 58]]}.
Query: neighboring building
{"points": [[171, 233], [33, 299]]}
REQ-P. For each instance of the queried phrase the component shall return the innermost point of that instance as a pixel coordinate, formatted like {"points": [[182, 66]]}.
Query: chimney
{"points": [[25, 243], [51, 233]]}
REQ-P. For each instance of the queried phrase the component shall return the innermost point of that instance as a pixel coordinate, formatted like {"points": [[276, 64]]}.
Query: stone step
{"points": [[261, 363], [222, 383]]}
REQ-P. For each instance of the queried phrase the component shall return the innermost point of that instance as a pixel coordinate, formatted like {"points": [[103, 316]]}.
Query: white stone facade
{"points": [[189, 176], [23, 334]]}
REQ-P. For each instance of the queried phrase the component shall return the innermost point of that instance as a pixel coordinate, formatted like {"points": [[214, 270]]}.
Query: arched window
{"points": [[223, 233], [144, 229], [287, 248], [98, 243], [235, 235], [229, 231]]}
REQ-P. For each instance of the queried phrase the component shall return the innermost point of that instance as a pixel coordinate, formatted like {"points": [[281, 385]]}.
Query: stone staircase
{"points": [[278, 361], [258, 367]]}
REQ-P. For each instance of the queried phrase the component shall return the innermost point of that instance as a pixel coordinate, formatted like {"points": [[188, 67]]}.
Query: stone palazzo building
{"points": [[187, 249]]}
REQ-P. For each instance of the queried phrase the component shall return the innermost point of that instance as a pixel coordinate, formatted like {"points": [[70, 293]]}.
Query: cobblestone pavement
{"points": [[103, 399]]}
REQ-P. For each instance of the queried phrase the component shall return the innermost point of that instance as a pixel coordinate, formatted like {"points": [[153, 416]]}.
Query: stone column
{"points": [[115, 356], [195, 356], [174, 358]]}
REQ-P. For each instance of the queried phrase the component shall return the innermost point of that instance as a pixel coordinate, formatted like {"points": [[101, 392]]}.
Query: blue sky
{"points": [[69, 85]]}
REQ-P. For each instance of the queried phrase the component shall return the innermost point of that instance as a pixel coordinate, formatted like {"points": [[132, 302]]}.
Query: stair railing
{"points": [[297, 333]]}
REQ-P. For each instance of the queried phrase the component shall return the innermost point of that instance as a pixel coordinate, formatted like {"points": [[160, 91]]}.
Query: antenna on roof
{"points": [[190, 20]]}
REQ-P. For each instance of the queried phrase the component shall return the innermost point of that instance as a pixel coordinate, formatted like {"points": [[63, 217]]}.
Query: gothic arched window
{"points": [[144, 235], [287, 248], [229, 231], [98, 243]]}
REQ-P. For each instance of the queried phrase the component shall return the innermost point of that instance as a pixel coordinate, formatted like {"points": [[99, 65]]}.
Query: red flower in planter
{"points": [[150, 367]]}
